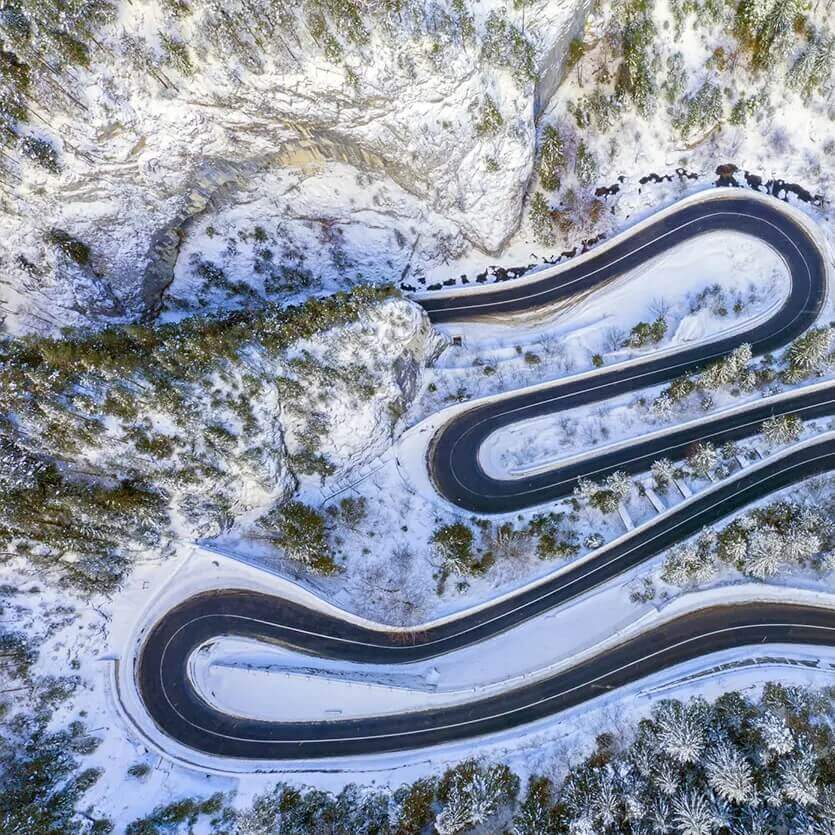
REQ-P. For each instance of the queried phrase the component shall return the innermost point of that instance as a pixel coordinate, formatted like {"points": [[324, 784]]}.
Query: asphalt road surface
{"points": [[162, 673]]}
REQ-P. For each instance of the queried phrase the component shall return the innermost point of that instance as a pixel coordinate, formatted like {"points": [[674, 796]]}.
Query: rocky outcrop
{"points": [[147, 158]]}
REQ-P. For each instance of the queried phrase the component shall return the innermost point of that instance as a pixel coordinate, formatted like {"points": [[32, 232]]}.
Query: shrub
{"points": [[42, 152], [73, 248], [489, 118], [455, 545], [300, 530]]}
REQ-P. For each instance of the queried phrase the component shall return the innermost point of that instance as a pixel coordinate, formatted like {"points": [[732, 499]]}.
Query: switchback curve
{"points": [[453, 455], [177, 709]]}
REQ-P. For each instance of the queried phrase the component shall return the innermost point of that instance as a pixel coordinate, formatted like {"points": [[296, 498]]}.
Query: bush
{"points": [[645, 333], [455, 545], [73, 248], [139, 770], [489, 119], [300, 530], [41, 152]]}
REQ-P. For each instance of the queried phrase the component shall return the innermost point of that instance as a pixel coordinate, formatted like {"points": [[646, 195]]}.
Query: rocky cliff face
{"points": [[160, 146]]}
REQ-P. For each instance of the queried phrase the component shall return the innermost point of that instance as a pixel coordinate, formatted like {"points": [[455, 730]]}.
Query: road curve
{"points": [[162, 666], [453, 455], [178, 710]]}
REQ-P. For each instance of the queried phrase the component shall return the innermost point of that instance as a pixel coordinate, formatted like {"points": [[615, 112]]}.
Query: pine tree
{"points": [[692, 814], [813, 68], [534, 814], [798, 780], [681, 730], [454, 816], [541, 219], [776, 734], [663, 407], [729, 774], [551, 158], [702, 110], [636, 76], [782, 429], [765, 555], [808, 354], [663, 472], [703, 459]]}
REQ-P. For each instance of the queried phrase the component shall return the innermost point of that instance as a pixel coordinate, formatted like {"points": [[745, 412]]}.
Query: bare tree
{"points": [[659, 307], [613, 339]]}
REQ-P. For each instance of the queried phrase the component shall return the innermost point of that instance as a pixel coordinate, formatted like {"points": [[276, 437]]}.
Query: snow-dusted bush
{"points": [[299, 530], [606, 496]]}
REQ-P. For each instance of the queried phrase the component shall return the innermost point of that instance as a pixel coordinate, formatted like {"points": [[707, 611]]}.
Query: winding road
{"points": [[162, 669]]}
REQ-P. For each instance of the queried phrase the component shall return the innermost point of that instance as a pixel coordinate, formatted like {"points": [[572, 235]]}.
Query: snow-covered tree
{"points": [[729, 774], [692, 814], [702, 110], [782, 429], [766, 554], [813, 68], [703, 459], [730, 370], [776, 734], [620, 484], [605, 497], [667, 777], [682, 730], [552, 158], [808, 354], [471, 795], [541, 219], [532, 817], [800, 546], [690, 563], [797, 779], [765, 28], [454, 817], [663, 407], [663, 472]]}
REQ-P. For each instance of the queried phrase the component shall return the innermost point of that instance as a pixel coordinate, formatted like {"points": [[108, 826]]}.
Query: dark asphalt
{"points": [[180, 713]]}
